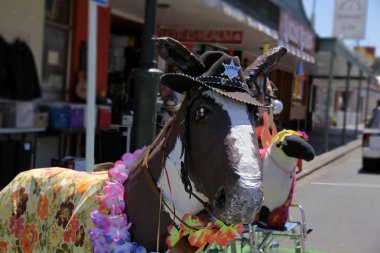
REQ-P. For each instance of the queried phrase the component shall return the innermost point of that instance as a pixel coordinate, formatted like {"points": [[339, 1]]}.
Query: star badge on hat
{"points": [[231, 70]]}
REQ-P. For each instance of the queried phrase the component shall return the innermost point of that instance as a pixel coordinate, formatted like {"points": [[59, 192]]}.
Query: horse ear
{"points": [[264, 63], [177, 54]]}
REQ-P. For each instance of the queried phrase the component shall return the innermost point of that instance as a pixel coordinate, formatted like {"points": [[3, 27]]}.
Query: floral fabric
{"points": [[47, 210]]}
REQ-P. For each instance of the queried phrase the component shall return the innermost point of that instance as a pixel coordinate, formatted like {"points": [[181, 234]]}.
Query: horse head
{"points": [[220, 153]]}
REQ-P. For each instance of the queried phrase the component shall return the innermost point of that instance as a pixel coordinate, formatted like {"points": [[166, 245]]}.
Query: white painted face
{"points": [[241, 131], [245, 199]]}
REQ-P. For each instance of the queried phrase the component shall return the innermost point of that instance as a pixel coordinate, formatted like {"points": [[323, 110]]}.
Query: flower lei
{"points": [[201, 232], [111, 233]]}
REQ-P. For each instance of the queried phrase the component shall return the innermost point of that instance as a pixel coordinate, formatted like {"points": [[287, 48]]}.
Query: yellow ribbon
{"points": [[281, 135]]}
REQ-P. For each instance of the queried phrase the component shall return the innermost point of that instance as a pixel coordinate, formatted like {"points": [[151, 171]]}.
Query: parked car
{"points": [[371, 141]]}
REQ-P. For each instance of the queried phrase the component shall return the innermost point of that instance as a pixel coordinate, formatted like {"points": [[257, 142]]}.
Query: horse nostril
{"points": [[220, 198]]}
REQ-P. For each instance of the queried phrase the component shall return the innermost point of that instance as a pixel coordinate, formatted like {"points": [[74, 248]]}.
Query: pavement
{"points": [[336, 149]]}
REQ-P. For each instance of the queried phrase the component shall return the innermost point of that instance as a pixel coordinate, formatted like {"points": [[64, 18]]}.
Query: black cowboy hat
{"points": [[222, 74], [215, 70]]}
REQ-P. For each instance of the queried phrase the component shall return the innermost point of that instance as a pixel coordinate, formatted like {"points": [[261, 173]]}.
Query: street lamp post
{"points": [[146, 81]]}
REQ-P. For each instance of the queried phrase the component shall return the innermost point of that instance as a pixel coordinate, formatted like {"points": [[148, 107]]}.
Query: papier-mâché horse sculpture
{"points": [[206, 158]]}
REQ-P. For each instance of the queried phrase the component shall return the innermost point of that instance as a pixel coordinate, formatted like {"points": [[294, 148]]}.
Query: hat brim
{"points": [[182, 82]]}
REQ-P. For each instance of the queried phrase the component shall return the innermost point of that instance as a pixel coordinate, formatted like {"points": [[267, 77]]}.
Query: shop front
{"points": [[344, 89], [59, 41]]}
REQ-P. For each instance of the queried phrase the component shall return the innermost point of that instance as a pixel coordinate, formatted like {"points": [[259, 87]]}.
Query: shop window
{"points": [[55, 49], [344, 100]]}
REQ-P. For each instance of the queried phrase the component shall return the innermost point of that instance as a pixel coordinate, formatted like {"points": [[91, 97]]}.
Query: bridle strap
{"points": [[151, 182]]}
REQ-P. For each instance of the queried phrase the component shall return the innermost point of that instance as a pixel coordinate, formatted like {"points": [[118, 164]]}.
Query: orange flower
{"points": [[89, 181], [42, 207], [52, 172], [3, 247], [56, 190], [69, 235], [29, 238]]}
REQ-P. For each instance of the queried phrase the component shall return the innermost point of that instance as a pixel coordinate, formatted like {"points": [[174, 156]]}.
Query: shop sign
{"points": [[203, 36], [293, 33], [367, 55]]}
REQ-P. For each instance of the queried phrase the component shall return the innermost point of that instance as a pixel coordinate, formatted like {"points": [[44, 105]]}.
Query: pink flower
{"points": [[113, 198], [119, 172], [129, 158], [303, 135], [16, 225]]}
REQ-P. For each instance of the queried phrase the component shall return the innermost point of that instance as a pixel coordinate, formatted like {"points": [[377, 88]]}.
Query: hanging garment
{"points": [[23, 76], [5, 89]]}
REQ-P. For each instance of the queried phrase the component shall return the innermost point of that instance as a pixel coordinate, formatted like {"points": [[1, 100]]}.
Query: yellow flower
{"points": [[55, 235]]}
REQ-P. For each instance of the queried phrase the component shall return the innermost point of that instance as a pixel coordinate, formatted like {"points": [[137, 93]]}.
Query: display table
{"points": [[64, 136], [21, 130]]}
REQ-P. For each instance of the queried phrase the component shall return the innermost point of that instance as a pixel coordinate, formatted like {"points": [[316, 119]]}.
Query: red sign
{"points": [[296, 34], [203, 36]]}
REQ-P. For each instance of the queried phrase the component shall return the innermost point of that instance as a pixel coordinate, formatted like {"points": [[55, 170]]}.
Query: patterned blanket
{"points": [[47, 210]]}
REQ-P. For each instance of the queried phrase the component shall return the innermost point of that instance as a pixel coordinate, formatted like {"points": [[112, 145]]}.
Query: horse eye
{"points": [[200, 113]]}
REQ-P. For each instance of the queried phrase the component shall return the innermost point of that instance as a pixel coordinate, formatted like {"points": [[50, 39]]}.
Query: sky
{"points": [[324, 11]]}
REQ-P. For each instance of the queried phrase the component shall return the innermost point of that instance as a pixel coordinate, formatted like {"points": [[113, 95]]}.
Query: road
{"points": [[342, 205]]}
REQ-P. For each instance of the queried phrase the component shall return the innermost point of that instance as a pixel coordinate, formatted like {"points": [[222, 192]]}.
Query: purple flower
{"points": [[117, 230], [140, 249], [99, 219], [98, 241], [122, 248], [127, 158]]}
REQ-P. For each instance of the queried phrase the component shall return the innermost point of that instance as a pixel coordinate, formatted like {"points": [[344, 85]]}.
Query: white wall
{"points": [[24, 19]]}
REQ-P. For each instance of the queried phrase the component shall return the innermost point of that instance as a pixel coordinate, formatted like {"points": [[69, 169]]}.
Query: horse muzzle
{"points": [[238, 205]]}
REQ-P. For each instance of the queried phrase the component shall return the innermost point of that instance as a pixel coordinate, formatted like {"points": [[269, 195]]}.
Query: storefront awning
{"points": [[216, 15], [328, 47]]}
